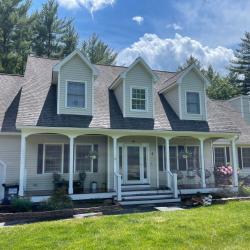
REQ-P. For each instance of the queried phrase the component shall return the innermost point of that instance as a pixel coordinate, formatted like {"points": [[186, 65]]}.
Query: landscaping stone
{"points": [[87, 215], [168, 209]]}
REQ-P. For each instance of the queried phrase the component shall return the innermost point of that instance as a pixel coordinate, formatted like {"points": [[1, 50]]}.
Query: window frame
{"points": [[44, 157], [92, 161], [146, 99], [177, 156], [186, 99], [66, 94], [225, 153], [242, 161]]}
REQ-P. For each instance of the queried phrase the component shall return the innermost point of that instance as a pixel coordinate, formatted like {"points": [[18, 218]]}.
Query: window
{"points": [[86, 159], [53, 159], [221, 156], [178, 161], [76, 96], [138, 99], [193, 102], [244, 157]]}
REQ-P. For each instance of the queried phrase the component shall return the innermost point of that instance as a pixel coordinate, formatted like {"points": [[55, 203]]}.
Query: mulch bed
{"points": [[54, 215]]}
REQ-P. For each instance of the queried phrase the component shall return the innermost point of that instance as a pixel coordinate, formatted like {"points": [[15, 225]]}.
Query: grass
{"points": [[217, 227]]}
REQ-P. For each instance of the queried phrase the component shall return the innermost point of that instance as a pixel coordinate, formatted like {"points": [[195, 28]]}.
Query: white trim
{"points": [[205, 190], [196, 92], [3, 173], [85, 97], [146, 98]]}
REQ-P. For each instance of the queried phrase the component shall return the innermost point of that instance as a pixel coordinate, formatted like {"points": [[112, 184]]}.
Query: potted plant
{"points": [[223, 174]]}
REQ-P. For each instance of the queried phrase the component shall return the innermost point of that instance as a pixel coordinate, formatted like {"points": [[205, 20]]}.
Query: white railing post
{"points": [[167, 163], [235, 163], [22, 165], [119, 187], [115, 160], [203, 174], [71, 164], [175, 187]]}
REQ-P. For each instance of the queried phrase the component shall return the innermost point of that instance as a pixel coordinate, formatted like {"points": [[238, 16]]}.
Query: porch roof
{"points": [[38, 105]]}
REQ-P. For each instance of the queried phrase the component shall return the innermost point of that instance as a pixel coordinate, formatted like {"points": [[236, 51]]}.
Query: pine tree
{"points": [[48, 31], [97, 51], [189, 61], [70, 40], [241, 64], [14, 42]]}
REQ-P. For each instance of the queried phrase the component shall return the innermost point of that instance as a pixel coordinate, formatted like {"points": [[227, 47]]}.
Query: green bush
{"points": [[59, 200], [244, 190], [21, 205]]}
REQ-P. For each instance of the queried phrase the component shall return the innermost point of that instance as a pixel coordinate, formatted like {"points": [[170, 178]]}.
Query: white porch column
{"points": [[202, 161], [235, 163], [167, 163], [22, 164], [71, 164], [115, 159]]}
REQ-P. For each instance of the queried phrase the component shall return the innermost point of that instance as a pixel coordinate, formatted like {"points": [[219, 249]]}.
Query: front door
{"points": [[135, 163]]}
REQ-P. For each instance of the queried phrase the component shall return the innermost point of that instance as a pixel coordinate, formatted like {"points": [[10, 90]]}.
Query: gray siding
{"points": [[75, 70], [43, 182], [246, 108], [140, 77], [172, 96], [10, 155], [119, 94], [193, 82]]}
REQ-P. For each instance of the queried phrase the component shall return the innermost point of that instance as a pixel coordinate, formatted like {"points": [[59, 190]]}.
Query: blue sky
{"points": [[164, 32]]}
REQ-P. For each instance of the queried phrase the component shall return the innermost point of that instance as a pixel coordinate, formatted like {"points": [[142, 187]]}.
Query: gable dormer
{"points": [[75, 76], [134, 90], [186, 93]]}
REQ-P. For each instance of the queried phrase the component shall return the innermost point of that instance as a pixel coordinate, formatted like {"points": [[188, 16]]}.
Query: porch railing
{"points": [[172, 177], [118, 186]]}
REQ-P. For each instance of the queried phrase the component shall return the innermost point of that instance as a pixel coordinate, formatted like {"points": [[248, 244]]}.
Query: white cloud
{"points": [[169, 53], [138, 19], [90, 5], [174, 26]]}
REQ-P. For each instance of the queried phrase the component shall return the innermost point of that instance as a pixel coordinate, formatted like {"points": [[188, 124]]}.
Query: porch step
{"points": [[147, 197], [141, 202], [135, 187], [144, 192]]}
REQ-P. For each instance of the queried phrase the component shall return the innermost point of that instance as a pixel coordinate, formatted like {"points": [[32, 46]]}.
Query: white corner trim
{"points": [[66, 95], [146, 98]]}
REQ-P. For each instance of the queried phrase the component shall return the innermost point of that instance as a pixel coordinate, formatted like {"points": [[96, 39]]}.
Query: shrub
{"points": [[59, 200], [21, 205], [244, 190]]}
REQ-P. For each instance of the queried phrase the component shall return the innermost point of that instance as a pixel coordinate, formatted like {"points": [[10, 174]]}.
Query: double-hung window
{"points": [[221, 156], [76, 94], [138, 99], [193, 102], [244, 157], [86, 159], [53, 158]]}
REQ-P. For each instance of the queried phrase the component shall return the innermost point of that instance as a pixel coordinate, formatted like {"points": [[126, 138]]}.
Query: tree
{"points": [[70, 40], [97, 51], [189, 61], [14, 29], [49, 30], [241, 64]]}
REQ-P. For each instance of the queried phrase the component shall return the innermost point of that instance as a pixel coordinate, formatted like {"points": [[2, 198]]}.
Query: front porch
{"points": [[110, 163]]}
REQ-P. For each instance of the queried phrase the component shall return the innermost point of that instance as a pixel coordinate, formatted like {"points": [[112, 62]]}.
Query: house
{"points": [[139, 135]]}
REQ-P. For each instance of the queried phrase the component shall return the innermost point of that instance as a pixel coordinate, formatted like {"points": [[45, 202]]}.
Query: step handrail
{"points": [[118, 186], [173, 185]]}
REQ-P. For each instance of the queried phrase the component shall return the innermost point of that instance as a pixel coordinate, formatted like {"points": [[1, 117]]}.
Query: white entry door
{"points": [[135, 163], [2, 179]]}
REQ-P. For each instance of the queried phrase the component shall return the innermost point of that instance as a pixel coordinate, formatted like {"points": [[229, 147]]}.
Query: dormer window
{"points": [[193, 103], [138, 99], [76, 94]]}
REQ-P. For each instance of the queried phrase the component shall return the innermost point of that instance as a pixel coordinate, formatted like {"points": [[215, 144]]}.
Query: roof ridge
{"points": [[9, 74], [44, 57]]}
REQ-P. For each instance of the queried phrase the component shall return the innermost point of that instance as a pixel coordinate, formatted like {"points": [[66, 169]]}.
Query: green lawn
{"points": [[216, 227]]}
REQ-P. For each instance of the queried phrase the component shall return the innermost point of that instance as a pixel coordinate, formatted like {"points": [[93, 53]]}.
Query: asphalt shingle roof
{"points": [[37, 102]]}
